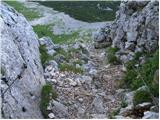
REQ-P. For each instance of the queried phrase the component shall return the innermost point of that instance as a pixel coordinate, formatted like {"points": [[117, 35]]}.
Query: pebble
{"points": [[74, 83], [51, 115], [54, 80], [80, 99], [49, 108]]}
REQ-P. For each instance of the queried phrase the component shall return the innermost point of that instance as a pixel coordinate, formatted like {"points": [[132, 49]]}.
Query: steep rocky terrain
{"points": [[132, 39], [21, 70], [134, 30], [81, 81]]}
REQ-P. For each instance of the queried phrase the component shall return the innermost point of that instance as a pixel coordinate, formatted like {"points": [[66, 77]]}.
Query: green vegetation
{"points": [[142, 75], [114, 113], [141, 96], [78, 62], [45, 30], [124, 104], [111, 58], [86, 10], [2, 71], [44, 55], [68, 67], [30, 14], [47, 94], [135, 77]]}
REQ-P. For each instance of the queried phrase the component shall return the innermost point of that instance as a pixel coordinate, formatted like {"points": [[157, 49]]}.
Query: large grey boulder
{"points": [[20, 62]]}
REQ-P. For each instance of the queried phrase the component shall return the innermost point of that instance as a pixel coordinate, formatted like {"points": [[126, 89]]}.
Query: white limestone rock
{"points": [[20, 59]]}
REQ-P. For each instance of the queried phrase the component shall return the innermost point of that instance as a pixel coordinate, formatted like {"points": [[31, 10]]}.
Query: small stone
{"points": [[80, 99], [54, 80], [93, 72], [78, 66], [74, 83], [51, 115], [150, 115], [49, 68], [49, 108], [107, 66], [154, 108]]}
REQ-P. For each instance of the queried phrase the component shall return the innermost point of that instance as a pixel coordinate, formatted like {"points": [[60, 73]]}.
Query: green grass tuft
{"points": [[111, 58], [47, 94], [141, 96], [114, 113], [45, 30], [68, 67], [44, 55], [136, 77]]}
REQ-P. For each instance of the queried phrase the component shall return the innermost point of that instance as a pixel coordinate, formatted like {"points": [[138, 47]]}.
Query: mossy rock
{"points": [[47, 94]]}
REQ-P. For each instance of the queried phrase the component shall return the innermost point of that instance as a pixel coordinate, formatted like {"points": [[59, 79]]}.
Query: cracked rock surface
{"points": [[22, 75]]}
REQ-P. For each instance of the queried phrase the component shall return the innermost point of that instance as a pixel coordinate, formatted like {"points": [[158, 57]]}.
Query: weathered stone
{"points": [[20, 59], [135, 28], [150, 115], [59, 109], [98, 105], [51, 115], [49, 45]]}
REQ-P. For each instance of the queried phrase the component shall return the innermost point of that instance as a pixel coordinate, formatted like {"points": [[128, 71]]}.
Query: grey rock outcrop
{"points": [[135, 29], [20, 62], [50, 46]]}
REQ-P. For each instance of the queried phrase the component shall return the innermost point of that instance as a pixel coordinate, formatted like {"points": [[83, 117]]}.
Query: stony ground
{"points": [[93, 94]]}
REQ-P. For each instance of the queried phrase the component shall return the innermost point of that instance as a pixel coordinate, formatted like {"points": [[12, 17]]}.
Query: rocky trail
{"points": [[57, 50], [92, 94]]}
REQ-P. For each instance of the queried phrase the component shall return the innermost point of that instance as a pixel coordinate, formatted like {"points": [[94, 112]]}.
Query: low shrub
{"points": [[141, 75], [141, 96], [47, 94]]}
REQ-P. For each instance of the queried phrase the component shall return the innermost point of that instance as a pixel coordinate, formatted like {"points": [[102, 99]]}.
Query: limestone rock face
{"points": [[135, 29], [22, 76]]}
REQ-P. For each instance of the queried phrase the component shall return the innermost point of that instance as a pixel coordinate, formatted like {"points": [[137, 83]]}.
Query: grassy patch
{"points": [[136, 77], [30, 14], [44, 55], [45, 30], [141, 96], [78, 62], [68, 67], [47, 94], [111, 58]]}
